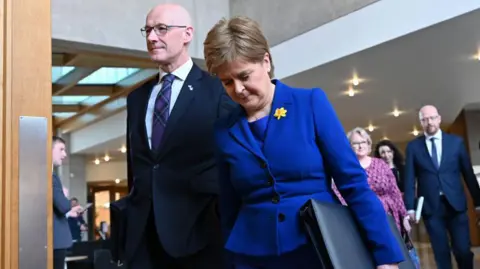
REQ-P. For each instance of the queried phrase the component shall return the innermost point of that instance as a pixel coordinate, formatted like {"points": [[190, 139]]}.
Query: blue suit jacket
{"points": [[454, 163], [263, 190], [62, 238]]}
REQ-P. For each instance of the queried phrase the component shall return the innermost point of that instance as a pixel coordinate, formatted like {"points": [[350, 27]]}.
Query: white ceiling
{"points": [[431, 66]]}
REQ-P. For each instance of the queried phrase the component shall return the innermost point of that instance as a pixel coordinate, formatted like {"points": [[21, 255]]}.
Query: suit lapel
{"points": [[240, 131], [281, 100], [425, 151], [186, 96], [144, 97], [445, 149]]}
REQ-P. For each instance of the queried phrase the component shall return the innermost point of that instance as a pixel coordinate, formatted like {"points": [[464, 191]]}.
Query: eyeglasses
{"points": [[429, 119], [160, 29], [358, 144]]}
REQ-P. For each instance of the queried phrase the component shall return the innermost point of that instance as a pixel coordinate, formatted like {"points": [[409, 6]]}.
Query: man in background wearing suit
{"points": [[438, 160], [62, 238], [172, 219]]}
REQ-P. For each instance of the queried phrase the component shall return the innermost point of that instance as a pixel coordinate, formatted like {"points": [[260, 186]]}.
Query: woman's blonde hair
{"points": [[233, 39], [362, 132]]}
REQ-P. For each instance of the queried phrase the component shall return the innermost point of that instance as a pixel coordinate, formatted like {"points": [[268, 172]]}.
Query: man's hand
{"points": [[75, 211], [83, 227], [65, 192], [388, 266], [406, 224], [411, 214]]}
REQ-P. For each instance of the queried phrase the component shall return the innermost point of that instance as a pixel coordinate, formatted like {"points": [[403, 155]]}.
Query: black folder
{"points": [[338, 240]]}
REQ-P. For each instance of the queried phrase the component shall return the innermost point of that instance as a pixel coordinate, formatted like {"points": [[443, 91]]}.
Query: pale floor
{"points": [[427, 261], [425, 252]]}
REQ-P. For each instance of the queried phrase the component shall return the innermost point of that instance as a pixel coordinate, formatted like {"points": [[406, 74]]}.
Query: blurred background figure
{"points": [[62, 209], [434, 166], [387, 151], [77, 224], [380, 178]]}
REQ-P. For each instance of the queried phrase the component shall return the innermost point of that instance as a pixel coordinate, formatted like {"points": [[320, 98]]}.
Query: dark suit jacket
{"points": [[74, 224], [263, 188], [399, 173], [62, 238], [455, 162], [180, 180]]}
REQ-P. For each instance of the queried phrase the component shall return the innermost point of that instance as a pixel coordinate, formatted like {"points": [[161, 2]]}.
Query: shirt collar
{"points": [[181, 72], [437, 136]]}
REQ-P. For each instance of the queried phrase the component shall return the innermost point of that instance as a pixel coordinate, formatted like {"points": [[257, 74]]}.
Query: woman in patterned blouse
{"points": [[380, 177]]}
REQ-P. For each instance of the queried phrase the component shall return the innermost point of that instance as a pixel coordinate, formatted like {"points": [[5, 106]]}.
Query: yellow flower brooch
{"points": [[280, 112]]}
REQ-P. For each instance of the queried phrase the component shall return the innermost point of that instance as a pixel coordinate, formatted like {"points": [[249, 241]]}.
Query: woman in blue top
{"points": [[273, 152]]}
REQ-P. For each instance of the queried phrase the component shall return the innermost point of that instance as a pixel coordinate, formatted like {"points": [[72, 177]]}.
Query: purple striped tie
{"points": [[161, 110]]}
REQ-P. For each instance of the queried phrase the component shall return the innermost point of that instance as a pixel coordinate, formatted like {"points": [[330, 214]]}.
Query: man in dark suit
{"points": [[62, 238], [438, 160], [172, 219], [77, 224]]}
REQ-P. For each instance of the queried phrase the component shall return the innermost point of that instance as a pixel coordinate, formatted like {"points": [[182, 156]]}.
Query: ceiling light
{"points": [[117, 180], [371, 128], [351, 91], [97, 161], [396, 112], [415, 131], [123, 149], [385, 137], [355, 82], [106, 158]]}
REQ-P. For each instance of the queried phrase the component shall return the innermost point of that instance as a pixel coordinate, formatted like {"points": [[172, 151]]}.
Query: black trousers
{"points": [[59, 256], [447, 220], [151, 255]]}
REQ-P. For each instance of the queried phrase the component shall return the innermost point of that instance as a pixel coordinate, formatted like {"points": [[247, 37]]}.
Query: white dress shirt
{"points": [[438, 144], [181, 74]]}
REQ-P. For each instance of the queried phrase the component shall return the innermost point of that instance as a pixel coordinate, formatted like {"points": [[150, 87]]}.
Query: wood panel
{"points": [[25, 90], [459, 127]]}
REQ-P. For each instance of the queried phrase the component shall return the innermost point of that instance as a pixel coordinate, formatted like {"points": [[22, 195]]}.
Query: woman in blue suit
{"points": [[273, 152]]}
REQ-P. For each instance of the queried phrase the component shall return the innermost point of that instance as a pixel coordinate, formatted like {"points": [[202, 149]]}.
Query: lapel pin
{"points": [[190, 87]]}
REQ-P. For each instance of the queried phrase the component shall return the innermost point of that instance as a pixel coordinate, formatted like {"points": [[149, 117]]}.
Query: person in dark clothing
{"points": [[387, 151], [62, 208], [77, 224]]}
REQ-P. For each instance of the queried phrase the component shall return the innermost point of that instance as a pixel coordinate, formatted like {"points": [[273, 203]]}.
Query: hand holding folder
{"points": [[418, 211]]}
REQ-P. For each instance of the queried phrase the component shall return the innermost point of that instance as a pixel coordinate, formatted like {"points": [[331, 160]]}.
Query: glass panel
{"points": [[108, 75], [92, 100], [60, 71], [78, 100], [69, 100], [63, 114]]}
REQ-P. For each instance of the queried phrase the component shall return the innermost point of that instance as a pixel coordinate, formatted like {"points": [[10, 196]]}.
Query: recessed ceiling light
{"points": [[117, 180], [123, 149], [351, 91], [355, 81], [97, 161], [396, 112], [371, 128], [415, 131], [106, 158]]}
